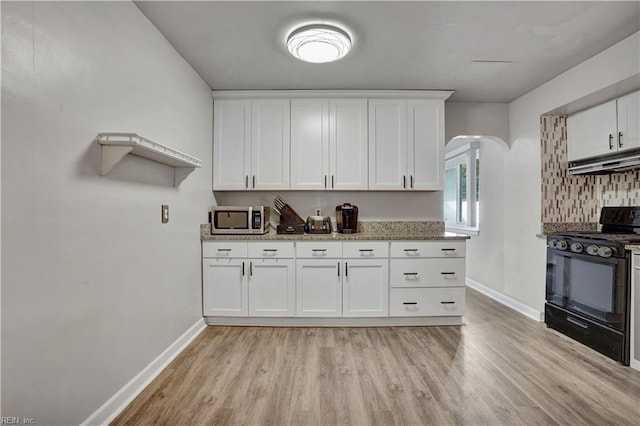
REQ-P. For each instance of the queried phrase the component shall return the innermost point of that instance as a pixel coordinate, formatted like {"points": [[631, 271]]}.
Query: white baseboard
{"points": [[635, 364], [506, 300], [334, 322], [119, 401]]}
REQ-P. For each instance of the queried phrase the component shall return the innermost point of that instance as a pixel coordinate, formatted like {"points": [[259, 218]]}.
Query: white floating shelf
{"points": [[115, 146]]}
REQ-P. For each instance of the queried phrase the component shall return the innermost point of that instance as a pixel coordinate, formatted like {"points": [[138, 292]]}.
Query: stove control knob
{"points": [[593, 250], [562, 245], [553, 243], [577, 247], [606, 251]]}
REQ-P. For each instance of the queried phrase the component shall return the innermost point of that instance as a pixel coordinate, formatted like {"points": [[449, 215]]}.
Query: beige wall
{"points": [[485, 257], [94, 287], [524, 252]]}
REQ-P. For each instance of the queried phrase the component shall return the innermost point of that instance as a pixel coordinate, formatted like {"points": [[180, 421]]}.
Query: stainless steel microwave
{"points": [[240, 219]]}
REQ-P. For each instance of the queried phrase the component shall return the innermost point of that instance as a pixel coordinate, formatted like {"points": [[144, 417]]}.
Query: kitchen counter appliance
{"points": [[240, 220], [588, 282], [318, 225], [347, 218]]}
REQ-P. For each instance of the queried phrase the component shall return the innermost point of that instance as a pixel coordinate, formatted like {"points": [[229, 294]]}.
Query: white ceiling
{"points": [[239, 45]]}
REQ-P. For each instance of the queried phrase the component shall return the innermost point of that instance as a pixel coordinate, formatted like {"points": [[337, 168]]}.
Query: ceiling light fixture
{"points": [[319, 43]]}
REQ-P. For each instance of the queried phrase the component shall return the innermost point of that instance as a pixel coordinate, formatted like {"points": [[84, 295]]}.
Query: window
{"points": [[462, 189]]}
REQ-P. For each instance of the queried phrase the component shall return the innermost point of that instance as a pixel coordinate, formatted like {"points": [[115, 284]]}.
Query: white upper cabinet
{"points": [[348, 144], [425, 145], [270, 144], [309, 143], [629, 121], [604, 129], [231, 144], [251, 144], [348, 140], [328, 144], [406, 144]]}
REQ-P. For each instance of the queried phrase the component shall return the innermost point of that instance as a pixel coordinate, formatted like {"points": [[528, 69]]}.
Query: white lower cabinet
{"points": [[262, 285], [635, 313], [271, 288], [365, 288], [427, 278], [319, 288], [324, 279], [442, 301], [225, 288]]}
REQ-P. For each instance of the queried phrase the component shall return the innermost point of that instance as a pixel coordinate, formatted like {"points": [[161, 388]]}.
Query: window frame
{"points": [[468, 154]]}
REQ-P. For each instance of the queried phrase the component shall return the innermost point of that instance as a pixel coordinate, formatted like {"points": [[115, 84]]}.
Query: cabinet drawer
{"points": [[411, 302], [318, 250], [427, 272], [409, 249], [365, 249], [271, 250], [224, 249]]}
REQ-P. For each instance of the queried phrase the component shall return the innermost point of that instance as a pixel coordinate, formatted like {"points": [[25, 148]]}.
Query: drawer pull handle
{"points": [[578, 323], [448, 303], [410, 274], [365, 249], [318, 249], [409, 303], [269, 249], [411, 250], [225, 250], [447, 273], [448, 249]]}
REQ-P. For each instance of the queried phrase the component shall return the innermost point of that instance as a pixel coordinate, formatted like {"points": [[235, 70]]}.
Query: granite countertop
{"points": [[633, 247], [399, 231]]}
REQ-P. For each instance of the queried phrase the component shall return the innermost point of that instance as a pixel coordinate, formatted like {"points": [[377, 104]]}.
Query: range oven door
{"points": [[589, 285]]}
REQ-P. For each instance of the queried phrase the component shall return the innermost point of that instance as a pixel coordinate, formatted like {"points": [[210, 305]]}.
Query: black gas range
{"points": [[588, 282]]}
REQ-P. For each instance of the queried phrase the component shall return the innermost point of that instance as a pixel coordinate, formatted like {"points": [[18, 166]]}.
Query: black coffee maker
{"points": [[347, 218]]}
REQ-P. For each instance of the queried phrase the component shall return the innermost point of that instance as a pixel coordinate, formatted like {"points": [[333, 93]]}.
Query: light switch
{"points": [[165, 213]]}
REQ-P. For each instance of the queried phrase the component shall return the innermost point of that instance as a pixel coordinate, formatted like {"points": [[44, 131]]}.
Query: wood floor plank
{"points": [[500, 368]]}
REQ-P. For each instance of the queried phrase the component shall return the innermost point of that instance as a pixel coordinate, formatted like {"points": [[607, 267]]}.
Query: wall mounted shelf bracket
{"points": [[115, 146]]}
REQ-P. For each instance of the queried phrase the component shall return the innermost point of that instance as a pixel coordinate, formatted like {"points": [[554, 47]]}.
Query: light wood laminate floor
{"points": [[499, 368]]}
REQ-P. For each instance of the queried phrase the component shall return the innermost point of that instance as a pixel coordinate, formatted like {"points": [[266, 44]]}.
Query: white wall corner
{"points": [[506, 300], [119, 401]]}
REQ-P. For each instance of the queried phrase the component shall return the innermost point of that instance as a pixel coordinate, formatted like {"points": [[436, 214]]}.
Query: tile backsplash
{"points": [[571, 199]]}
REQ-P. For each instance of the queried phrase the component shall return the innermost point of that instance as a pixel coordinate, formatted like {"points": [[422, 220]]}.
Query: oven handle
{"points": [[576, 322], [587, 257]]}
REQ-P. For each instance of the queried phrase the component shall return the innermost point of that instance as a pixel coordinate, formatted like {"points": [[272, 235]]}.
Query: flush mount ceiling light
{"points": [[318, 43]]}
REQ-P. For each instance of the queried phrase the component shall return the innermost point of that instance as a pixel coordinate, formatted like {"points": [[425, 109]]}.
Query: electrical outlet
{"points": [[165, 213], [318, 211]]}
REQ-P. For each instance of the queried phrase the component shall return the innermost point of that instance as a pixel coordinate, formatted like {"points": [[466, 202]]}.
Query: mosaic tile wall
{"points": [[569, 199]]}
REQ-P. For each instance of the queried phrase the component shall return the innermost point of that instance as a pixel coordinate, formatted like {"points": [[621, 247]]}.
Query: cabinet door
{"points": [[271, 288], [309, 144], [318, 288], [592, 132], [224, 287], [387, 144], [628, 122], [635, 314], [425, 136], [366, 288], [231, 144], [270, 145], [348, 144]]}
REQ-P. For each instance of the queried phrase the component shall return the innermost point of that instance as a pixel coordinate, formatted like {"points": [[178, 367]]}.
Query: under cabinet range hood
{"points": [[620, 162]]}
